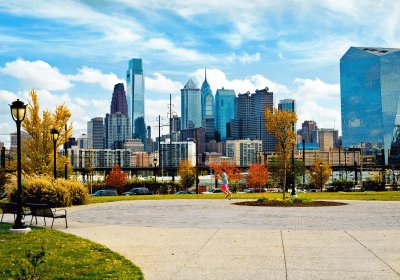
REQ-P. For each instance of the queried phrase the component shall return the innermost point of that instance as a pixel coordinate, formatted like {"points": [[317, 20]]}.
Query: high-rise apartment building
{"points": [[244, 152], [224, 112], [190, 106], [95, 133], [135, 98], [180, 151], [370, 83], [249, 121], [117, 130], [308, 129], [119, 102], [207, 109]]}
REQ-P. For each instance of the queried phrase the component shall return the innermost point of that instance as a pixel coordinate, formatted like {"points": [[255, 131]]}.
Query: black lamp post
{"points": [[320, 167], [18, 111], [155, 170], [54, 135]]}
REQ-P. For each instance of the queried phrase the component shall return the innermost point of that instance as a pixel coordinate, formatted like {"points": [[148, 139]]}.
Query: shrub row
{"points": [[56, 193]]}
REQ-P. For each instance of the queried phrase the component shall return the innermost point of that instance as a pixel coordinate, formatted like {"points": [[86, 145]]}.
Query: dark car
{"points": [[254, 190], [185, 192], [105, 193], [137, 191]]}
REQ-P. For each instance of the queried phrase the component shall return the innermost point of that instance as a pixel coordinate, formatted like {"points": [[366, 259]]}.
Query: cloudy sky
{"points": [[75, 51]]}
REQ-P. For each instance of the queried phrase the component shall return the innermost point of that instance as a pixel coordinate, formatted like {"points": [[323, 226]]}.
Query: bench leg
{"points": [[2, 218], [44, 219], [52, 224], [66, 225], [32, 220]]}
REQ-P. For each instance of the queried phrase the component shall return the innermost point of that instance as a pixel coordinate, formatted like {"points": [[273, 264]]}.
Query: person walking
{"points": [[225, 185]]}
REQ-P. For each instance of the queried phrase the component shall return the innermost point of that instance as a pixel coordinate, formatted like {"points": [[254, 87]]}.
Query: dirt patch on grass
{"points": [[280, 203]]}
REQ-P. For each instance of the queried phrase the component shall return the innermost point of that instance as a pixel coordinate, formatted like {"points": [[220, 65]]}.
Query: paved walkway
{"points": [[213, 239]]}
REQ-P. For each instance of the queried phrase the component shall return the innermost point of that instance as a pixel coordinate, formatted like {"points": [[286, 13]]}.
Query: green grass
{"points": [[66, 256], [383, 196]]}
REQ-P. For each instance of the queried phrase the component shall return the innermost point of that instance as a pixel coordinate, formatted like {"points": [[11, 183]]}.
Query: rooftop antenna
{"points": [[205, 73]]}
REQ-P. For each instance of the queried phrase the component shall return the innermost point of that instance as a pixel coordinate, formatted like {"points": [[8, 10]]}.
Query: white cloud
{"points": [[162, 84], [217, 79], [36, 74], [244, 58], [315, 89], [95, 76], [324, 117]]}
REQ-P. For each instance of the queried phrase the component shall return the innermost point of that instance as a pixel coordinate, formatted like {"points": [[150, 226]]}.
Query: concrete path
{"points": [[213, 239]]}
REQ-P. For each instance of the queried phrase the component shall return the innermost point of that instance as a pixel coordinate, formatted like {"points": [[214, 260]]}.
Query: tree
{"points": [[231, 170], [276, 166], [258, 175], [187, 173], [116, 179], [319, 175], [280, 124], [38, 148]]}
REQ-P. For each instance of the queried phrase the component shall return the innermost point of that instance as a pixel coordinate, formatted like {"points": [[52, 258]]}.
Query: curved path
{"points": [[213, 239]]}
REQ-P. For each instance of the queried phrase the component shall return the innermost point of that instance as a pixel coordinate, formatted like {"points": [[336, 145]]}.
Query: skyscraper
{"points": [[370, 83], [95, 133], [249, 121], [307, 131], [118, 102], [190, 106], [135, 96], [117, 130], [224, 111], [289, 105], [207, 109]]}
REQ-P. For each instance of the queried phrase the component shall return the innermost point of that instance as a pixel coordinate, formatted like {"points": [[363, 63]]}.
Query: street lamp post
{"points": [[54, 135], [320, 167], [18, 111], [155, 170]]}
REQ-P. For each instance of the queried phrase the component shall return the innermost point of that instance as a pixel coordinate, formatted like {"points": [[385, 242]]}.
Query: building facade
{"points": [[99, 158], [207, 110], [308, 129], [370, 83], [244, 152], [288, 105], [190, 106], [134, 145], [135, 99], [180, 151], [117, 130], [95, 133], [224, 111], [118, 101]]}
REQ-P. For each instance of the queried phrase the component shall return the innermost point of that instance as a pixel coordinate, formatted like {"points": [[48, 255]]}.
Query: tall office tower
{"points": [[249, 121], [135, 96], [117, 130], [190, 106], [118, 102], [207, 109], [82, 141], [176, 123], [307, 131], [369, 82], [95, 133], [224, 111], [289, 105]]}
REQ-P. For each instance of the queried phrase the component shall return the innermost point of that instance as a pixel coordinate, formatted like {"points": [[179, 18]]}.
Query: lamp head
{"points": [[320, 164], [18, 110], [54, 134]]}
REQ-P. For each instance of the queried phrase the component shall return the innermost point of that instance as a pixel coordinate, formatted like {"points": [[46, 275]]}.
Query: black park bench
{"points": [[45, 211], [12, 208]]}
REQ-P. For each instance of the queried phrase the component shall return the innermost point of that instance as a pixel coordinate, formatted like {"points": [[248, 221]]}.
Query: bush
{"points": [[78, 193], [300, 200], [262, 199], [373, 185], [341, 186]]}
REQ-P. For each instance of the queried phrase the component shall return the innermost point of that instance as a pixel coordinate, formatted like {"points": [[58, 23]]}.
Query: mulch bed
{"points": [[279, 203]]}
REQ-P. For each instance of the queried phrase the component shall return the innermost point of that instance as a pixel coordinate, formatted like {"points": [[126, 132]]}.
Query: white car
{"points": [[210, 191]]}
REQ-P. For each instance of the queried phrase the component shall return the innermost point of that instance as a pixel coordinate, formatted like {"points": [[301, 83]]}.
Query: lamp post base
{"points": [[20, 230]]}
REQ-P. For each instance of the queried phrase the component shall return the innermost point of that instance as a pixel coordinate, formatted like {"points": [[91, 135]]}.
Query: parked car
{"points": [[254, 190], [185, 192], [137, 191], [105, 193], [213, 191]]}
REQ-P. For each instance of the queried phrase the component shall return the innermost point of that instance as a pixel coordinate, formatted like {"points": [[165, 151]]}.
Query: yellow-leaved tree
{"points": [[38, 148], [280, 124], [319, 174], [187, 173]]}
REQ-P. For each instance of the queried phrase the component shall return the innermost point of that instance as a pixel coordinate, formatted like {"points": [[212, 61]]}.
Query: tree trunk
{"points": [[284, 181]]}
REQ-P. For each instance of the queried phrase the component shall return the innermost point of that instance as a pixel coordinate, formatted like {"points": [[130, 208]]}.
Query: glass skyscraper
{"points": [[190, 106], [370, 90], [224, 110], [207, 109], [135, 96], [288, 105], [95, 133]]}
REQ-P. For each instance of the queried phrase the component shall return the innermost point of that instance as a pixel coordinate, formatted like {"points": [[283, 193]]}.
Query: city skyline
{"points": [[76, 52]]}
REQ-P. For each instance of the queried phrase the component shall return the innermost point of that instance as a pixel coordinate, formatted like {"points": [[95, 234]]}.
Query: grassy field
{"points": [[66, 256], [383, 196]]}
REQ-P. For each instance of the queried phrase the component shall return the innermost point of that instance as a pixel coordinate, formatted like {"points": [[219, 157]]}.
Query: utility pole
{"points": [[197, 162], [170, 137], [66, 154]]}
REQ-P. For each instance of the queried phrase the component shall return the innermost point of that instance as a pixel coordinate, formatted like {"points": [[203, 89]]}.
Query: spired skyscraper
{"points": [[135, 96], [370, 91], [190, 106], [207, 109]]}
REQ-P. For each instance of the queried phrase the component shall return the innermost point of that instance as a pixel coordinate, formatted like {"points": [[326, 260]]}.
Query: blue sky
{"points": [[75, 51]]}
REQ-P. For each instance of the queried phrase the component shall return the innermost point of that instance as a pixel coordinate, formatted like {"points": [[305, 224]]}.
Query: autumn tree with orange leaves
{"points": [[231, 170], [280, 124], [319, 174], [116, 178], [258, 175]]}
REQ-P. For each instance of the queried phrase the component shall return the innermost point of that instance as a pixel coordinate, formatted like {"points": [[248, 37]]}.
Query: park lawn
{"points": [[382, 196], [66, 256]]}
